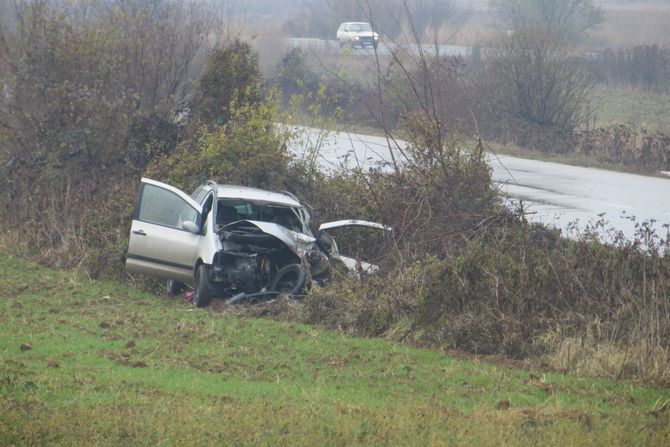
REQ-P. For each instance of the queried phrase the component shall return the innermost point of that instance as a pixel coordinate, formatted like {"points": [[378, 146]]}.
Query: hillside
{"points": [[100, 363]]}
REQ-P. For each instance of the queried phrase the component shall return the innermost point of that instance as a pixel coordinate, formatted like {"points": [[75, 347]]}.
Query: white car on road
{"points": [[357, 34]]}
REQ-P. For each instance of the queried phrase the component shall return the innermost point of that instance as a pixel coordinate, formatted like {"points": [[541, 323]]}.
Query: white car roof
{"points": [[256, 195]]}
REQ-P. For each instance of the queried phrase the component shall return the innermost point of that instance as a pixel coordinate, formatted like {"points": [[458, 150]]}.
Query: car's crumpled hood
{"points": [[298, 243]]}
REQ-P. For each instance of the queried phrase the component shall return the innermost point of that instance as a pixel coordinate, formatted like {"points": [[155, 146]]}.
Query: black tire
{"points": [[202, 289], [174, 287], [289, 280]]}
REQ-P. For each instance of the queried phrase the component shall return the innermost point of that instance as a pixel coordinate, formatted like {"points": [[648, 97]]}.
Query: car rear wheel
{"points": [[202, 290], [289, 280]]}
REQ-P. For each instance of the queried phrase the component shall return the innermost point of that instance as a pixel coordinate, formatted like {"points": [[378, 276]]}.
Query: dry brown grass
{"points": [[590, 355]]}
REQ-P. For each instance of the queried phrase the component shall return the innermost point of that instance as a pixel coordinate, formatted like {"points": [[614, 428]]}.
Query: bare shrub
{"points": [[534, 77]]}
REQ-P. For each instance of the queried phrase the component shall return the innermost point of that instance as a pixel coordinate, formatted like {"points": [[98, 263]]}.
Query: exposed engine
{"points": [[249, 258]]}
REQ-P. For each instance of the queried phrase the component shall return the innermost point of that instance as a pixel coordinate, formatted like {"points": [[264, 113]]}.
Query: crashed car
{"points": [[235, 241]]}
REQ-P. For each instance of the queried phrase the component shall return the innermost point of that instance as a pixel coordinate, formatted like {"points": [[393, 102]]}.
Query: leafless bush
{"points": [[534, 76]]}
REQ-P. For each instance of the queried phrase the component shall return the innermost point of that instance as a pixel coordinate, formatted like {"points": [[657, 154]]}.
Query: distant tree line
{"points": [[646, 66]]}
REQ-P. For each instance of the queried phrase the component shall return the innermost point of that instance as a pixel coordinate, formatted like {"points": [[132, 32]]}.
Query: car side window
{"points": [[162, 207]]}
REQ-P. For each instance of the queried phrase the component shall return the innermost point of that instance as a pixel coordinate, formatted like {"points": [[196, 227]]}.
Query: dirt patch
{"points": [[125, 360], [503, 405]]}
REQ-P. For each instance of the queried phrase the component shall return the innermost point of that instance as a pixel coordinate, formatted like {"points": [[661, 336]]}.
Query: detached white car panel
{"points": [[352, 223], [351, 263]]}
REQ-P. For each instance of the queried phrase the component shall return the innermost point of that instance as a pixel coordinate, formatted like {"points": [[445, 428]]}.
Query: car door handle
{"points": [[139, 232]]}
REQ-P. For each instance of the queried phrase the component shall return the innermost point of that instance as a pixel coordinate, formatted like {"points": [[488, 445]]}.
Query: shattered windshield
{"points": [[232, 210]]}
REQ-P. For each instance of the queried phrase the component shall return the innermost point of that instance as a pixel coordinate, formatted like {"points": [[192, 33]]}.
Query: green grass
{"points": [[631, 106], [109, 365]]}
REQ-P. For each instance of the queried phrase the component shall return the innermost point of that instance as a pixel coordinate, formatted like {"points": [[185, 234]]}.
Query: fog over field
{"points": [[462, 22]]}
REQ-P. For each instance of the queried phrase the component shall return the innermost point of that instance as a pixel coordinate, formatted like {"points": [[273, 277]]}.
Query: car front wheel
{"points": [[289, 280], [202, 290]]}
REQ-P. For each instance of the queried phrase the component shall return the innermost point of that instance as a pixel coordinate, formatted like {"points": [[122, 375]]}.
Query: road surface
{"points": [[555, 194], [384, 48]]}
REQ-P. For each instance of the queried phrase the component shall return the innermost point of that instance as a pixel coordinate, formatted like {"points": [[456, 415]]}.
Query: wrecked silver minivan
{"points": [[231, 241]]}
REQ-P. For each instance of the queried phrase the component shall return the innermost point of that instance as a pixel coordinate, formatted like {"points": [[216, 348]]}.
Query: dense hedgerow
{"points": [[522, 291]]}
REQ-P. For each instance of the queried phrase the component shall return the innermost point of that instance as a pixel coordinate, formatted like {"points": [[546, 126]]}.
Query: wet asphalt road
{"points": [[552, 193]]}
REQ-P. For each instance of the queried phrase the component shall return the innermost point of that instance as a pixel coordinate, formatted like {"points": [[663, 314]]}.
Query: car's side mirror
{"points": [[191, 227]]}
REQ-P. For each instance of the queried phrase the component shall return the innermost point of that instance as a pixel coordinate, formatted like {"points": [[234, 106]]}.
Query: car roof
{"points": [[256, 195]]}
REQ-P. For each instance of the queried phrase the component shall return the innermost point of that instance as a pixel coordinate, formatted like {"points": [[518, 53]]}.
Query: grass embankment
{"points": [[86, 363]]}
